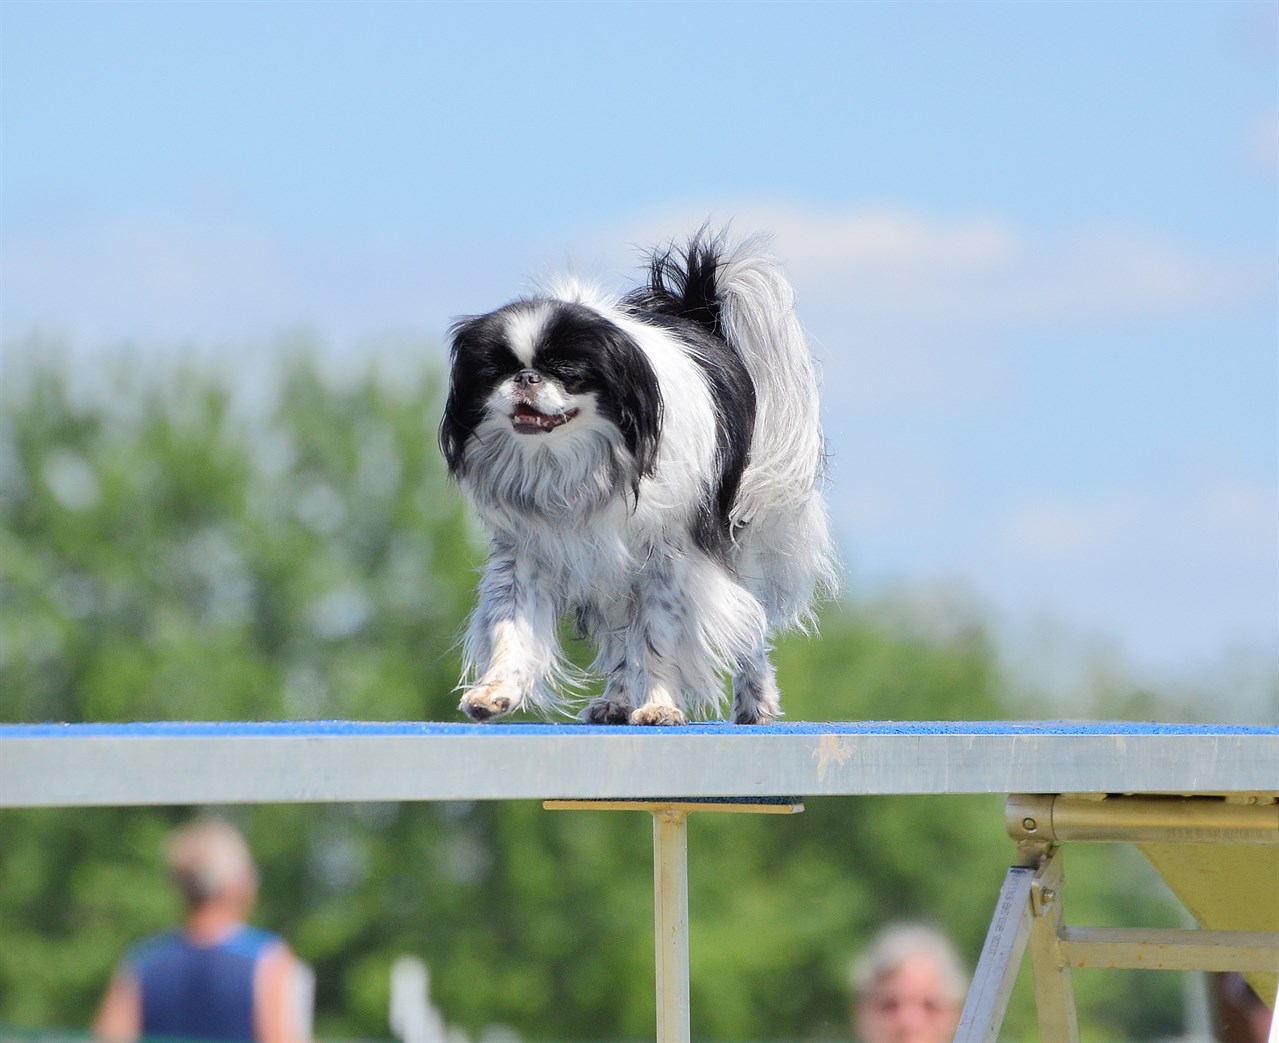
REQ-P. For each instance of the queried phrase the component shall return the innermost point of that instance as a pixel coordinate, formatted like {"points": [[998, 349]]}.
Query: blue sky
{"points": [[1037, 245]]}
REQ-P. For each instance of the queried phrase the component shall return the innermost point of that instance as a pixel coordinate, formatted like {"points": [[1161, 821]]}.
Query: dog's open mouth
{"points": [[528, 421]]}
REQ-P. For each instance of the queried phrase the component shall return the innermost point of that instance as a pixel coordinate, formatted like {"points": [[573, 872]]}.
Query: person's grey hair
{"points": [[206, 857], [896, 944]]}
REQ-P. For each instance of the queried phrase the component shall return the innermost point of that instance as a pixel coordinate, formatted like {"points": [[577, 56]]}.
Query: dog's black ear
{"points": [[479, 360], [607, 361], [639, 408], [453, 431]]}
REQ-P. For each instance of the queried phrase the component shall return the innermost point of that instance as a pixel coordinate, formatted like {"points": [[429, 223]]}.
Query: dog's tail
{"points": [[741, 293]]}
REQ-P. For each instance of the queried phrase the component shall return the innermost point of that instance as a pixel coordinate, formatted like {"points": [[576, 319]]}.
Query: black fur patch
{"points": [[682, 296]]}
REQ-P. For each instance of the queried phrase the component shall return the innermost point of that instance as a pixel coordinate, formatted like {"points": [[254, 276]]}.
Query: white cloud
{"points": [[872, 239], [894, 263], [1239, 519], [1219, 520], [1072, 532]]}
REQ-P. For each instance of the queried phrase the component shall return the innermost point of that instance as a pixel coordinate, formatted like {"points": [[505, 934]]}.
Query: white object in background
{"points": [[304, 996], [412, 1017]]}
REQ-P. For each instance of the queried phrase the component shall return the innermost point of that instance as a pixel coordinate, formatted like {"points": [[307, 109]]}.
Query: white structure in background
{"points": [[413, 1019], [304, 996]]}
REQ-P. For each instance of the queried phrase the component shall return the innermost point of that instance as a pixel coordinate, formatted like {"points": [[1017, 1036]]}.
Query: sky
{"points": [[1036, 247]]}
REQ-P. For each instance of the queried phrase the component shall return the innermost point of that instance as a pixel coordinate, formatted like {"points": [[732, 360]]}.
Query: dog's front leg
{"points": [[653, 640], [510, 645]]}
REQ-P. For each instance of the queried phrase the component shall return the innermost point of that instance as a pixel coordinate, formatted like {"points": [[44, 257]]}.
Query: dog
{"points": [[651, 464]]}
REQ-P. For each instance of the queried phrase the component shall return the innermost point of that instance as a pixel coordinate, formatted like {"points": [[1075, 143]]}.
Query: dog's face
{"points": [[551, 384], [543, 373]]}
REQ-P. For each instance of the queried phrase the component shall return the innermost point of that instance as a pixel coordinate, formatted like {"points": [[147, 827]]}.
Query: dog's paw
{"points": [[607, 711], [755, 697], [658, 714], [753, 715], [486, 701]]}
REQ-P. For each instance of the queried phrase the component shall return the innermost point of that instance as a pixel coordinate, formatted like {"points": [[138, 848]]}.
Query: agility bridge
{"points": [[1201, 802]]}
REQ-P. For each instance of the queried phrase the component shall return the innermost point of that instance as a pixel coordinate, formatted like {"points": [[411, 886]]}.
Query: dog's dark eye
{"points": [[485, 360], [489, 370], [571, 375]]}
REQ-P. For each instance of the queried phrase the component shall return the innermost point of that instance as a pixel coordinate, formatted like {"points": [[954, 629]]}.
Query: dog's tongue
{"points": [[528, 420]]}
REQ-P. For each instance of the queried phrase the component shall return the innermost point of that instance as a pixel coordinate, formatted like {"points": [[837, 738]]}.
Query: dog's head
{"points": [[543, 372]]}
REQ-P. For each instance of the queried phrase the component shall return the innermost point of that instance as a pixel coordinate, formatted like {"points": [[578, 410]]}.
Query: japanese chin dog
{"points": [[651, 466]]}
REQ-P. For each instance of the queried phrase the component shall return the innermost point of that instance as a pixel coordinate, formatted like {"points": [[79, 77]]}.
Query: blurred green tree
{"points": [[174, 548]]}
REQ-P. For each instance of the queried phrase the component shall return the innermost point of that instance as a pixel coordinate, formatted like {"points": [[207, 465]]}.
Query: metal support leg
{"points": [[999, 961], [1028, 913], [670, 920], [1054, 994], [670, 888], [1273, 1035]]}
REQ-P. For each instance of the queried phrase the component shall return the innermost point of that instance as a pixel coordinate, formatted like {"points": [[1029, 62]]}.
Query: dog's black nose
{"points": [[528, 377]]}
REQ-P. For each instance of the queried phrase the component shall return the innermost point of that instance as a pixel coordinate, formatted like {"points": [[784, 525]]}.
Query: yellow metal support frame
{"points": [[1238, 833]]}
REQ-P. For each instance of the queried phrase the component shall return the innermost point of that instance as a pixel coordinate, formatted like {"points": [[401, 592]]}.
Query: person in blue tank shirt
{"points": [[215, 977]]}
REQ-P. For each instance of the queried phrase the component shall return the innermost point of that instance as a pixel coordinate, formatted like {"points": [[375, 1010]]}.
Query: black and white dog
{"points": [[652, 465]]}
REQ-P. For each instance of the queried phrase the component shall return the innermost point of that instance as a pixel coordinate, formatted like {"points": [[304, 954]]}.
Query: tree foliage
{"points": [[171, 548]]}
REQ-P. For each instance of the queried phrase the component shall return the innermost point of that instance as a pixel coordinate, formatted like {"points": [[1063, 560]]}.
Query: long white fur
{"points": [[786, 555], [568, 531]]}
